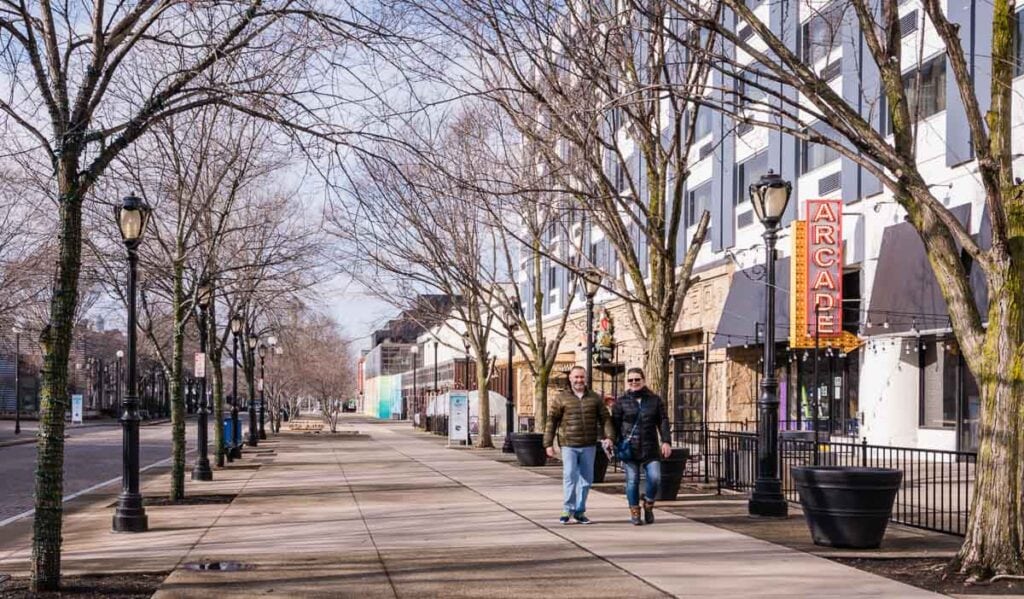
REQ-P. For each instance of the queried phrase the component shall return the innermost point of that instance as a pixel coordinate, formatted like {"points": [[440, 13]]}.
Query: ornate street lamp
{"points": [[236, 426], [591, 285], [511, 323], [252, 341], [129, 515], [769, 196], [202, 471], [263, 354], [17, 379]]}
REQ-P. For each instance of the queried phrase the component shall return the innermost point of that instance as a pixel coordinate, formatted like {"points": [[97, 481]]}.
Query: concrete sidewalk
{"points": [[395, 514]]}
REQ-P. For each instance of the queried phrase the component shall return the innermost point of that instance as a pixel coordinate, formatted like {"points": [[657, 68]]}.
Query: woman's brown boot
{"points": [[634, 516], [648, 512]]}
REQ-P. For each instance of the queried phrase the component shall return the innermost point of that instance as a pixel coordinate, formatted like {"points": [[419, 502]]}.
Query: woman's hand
{"points": [[666, 450]]}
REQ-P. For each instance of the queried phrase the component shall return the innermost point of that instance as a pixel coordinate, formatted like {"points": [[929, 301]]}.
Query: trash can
{"points": [[228, 436]]}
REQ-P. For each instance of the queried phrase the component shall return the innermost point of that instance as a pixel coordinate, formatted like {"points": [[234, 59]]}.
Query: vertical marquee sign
{"points": [[824, 260]]}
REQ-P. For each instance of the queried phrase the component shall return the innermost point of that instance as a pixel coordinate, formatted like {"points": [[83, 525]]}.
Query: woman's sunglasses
{"points": [[634, 380]]}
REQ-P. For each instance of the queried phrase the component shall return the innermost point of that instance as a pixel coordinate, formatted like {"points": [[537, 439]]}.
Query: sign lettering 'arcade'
{"points": [[817, 277], [825, 267]]}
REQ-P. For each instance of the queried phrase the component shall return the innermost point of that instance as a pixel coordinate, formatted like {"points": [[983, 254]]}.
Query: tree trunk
{"points": [[218, 409], [56, 342], [540, 399], [993, 543], [484, 437], [659, 337], [177, 396]]}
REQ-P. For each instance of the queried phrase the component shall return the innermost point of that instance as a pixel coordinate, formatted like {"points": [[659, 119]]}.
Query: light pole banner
{"points": [[76, 409], [200, 366], [458, 416]]}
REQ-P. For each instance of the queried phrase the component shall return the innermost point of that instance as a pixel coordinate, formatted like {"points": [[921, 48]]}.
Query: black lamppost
{"points": [[17, 380], [251, 340], [511, 323], [263, 374], [130, 515], [414, 351], [469, 419], [769, 197], [591, 285], [117, 377], [202, 470], [236, 426]]}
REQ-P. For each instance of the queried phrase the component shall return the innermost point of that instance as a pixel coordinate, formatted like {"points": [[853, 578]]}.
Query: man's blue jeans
{"points": [[577, 476], [652, 474]]}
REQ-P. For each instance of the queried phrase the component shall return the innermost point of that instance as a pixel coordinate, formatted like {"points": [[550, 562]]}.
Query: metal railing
{"points": [[935, 493]]}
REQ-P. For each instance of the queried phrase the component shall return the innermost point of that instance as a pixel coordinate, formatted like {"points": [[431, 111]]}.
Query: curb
{"points": [[32, 438]]}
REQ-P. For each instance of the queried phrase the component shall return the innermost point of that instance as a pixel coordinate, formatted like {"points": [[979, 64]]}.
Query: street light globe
{"points": [[132, 216], [415, 349], [204, 294], [592, 281], [252, 340], [120, 354], [770, 196], [236, 324], [263, 350], [272, 341]]}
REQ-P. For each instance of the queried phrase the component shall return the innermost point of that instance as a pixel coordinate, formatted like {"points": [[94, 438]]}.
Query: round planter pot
{"points": [[672, 469], [600, 464], [529, 449], [847, 506]]}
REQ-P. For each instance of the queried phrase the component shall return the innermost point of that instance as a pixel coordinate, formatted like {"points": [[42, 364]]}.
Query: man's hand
{"points": [[606, 444], [666, 450], [550, 451]]}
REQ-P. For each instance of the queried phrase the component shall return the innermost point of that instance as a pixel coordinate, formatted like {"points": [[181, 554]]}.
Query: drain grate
{"points": [[217, 566]]}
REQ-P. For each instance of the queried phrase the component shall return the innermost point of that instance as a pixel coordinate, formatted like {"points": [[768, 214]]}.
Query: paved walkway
{"points": [[395, 514]]}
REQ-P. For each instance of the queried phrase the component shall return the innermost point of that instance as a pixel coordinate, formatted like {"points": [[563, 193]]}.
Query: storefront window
{"points": [[938, 384]]}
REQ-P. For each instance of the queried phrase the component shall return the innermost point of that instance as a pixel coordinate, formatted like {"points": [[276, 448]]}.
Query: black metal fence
{"points": [[935, 493]]}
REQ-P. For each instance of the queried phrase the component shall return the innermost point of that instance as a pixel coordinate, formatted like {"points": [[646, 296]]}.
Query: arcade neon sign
{"points": [[824, 261]]}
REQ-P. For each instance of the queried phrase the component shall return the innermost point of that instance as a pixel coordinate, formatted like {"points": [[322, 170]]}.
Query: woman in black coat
{"points": [[641, 416]]}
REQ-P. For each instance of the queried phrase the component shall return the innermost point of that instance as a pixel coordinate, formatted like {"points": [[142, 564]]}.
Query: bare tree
{"points": [[604, 102], [781, 91], [83, 84]]}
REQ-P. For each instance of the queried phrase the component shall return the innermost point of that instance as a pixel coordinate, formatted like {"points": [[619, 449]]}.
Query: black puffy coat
{"points": [[653, 417]]}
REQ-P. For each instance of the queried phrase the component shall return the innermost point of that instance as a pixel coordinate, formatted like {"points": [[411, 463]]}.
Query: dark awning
{"points": [[744, 306], [905, 289]]}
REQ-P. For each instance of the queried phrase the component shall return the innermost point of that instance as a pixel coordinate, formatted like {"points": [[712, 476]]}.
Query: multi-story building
{"points": [[919, 391]]}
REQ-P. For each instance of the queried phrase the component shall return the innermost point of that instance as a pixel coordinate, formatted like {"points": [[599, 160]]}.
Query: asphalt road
{"points": [[92, 455]]}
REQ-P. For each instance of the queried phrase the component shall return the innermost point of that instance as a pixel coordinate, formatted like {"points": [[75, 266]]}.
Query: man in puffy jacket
{"points": [[579, 416]]}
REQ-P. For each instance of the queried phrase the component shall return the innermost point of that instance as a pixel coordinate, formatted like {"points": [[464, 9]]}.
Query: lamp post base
{"points": [[507, 447], [767, 500], [235, 453], [202, 471], [130, 516]]}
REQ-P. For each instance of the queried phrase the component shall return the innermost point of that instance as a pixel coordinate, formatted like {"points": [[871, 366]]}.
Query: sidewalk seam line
{"points": [[362, 516]]}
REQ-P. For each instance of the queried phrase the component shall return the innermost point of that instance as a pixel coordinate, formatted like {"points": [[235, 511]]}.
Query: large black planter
{"points": [[672, 469], [847, 506], [529, 449], [600, 464]]}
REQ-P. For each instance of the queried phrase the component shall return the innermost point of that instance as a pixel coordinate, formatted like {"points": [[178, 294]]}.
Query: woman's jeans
{"points": [[652, 474]]}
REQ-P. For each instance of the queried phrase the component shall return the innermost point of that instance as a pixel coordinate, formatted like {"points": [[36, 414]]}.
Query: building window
{"points": [[1018, 45], [820, 33], [925, 89], [697, 201], [939, 365], [702, 127], [747, 172], [814, 156]]}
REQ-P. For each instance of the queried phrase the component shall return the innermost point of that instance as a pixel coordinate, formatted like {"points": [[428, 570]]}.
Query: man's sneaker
{"points": [[581, 518], [564, 519]]}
